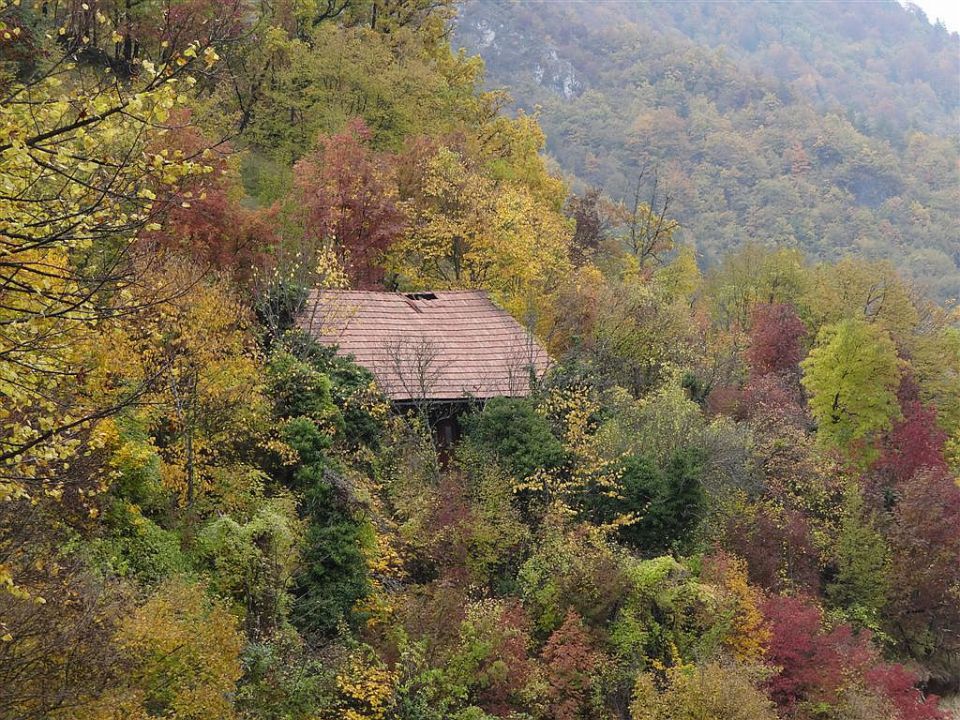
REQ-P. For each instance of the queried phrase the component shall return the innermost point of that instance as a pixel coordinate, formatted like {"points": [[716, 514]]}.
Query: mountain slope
{"points": [[827, 126]]}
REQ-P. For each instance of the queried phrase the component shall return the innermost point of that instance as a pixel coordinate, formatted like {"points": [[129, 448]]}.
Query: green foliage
{"points": [[281, 681], [640, 337], [490, 664], [669, 503], [497, 532], [253, 562], [666, 616], [852, 375], [517, 436], [333, 575], [136, 464], [139, 547], [567, 572], [861, 585], [755, 274], [353, 389], [676, 507], [310, 443], [621, 328], [299, 390], [640, 481], [668, 423]]}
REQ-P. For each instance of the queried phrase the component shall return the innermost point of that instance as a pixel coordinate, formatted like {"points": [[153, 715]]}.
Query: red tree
{"points": [[205, 219], [776, 339], [348, 196], [924, 541], [778, 548], [815, 664], [569, 662], [899, 686], [809, 665], [508, 667], [218, 232], [914, 442]]}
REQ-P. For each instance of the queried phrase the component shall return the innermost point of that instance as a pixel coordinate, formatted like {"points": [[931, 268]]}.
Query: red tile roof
{"points": [[440, 345]]}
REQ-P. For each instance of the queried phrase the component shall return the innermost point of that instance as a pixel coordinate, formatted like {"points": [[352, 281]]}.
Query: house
{"points": [[436, 351]]}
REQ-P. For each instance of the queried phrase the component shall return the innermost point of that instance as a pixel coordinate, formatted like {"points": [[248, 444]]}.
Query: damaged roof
{"points": [[443, 345]]}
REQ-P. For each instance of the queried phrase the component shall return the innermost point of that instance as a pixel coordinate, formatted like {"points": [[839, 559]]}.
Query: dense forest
{"points": [[829, 126], [733, 496]]}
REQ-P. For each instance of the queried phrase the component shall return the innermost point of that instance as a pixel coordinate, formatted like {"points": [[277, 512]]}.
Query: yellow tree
{"points": [[183, 649], [864, 290], [80, 176], [468, 230], [192, 348], [852, 376]]}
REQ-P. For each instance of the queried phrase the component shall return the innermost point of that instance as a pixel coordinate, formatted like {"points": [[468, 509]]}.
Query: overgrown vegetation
{"points": [[714, 505]]}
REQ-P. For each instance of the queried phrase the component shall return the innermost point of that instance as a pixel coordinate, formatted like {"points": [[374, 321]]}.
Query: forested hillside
{"points": [[827, 126], [733, 496]]}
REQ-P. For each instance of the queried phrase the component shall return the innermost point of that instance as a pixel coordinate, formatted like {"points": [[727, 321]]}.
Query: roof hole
{"points": [[421, 296]]}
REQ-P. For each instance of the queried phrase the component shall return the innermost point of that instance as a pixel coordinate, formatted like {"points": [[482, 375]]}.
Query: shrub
{"points": [[513, 431]]}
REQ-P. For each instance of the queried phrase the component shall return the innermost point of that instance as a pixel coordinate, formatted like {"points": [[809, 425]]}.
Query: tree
{"points": [[667, 503], [809, 661], [211, 223], [468, 230], [755, 275], [82, 177], [253, 562], [570, 664], [899, 686], [347, 197], [748, 633], [301, 80], [924, 539], [198, 357], [667, 615], [58, 605], [861, 584], [872, 292], [821, 669], [333, 574], [852, 374], [594, 216], [184, 650], [777, 544], [492, 661], [649, 232], [712, 691], [914, 442], [776, 336], [625, 331], [518, 436], [62, 269], [570, 571]]}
